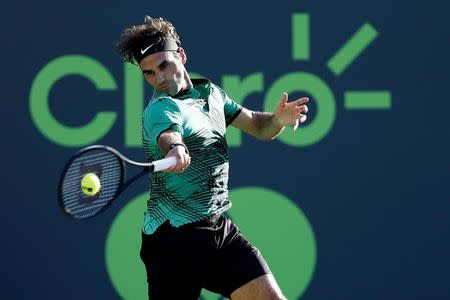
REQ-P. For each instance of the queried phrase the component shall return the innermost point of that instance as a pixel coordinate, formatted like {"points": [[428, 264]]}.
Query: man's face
{"points": [[165, 71]]}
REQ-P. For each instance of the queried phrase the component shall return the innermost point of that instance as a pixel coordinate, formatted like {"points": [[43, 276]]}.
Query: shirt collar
{"points": [[200, 87]]}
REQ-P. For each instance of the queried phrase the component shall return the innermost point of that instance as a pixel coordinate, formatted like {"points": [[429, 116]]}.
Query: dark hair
{"points": [[153, 29]]}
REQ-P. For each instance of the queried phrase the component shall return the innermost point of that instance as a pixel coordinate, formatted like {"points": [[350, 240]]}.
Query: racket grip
{"points": [[163, 164]]}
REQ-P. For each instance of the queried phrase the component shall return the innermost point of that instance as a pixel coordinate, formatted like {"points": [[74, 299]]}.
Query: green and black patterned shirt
{"points": [[201, 114]]}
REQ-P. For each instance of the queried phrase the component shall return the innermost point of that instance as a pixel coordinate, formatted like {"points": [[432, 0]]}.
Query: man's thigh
{"points": [[174, 265], [236, 263], [264, 287]]}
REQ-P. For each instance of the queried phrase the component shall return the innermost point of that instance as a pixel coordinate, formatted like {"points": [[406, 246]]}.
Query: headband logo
{"points": [[145, 50]]}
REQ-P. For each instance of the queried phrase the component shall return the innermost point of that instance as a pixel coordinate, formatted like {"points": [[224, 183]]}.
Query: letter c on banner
{"points": [[39, 100]]}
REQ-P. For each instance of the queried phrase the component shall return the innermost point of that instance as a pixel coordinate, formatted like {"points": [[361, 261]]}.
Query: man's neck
{"points": [[187, 80]]}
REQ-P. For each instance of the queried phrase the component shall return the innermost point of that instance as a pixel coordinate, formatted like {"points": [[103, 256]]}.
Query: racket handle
{"points": [[164, 163]]}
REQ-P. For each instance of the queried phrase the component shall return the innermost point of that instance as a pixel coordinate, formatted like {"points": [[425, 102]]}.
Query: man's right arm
{"points": [[167, 142], [162, 124]]}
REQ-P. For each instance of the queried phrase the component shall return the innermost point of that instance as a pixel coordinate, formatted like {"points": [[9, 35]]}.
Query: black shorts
{"points": [[210, 254]]}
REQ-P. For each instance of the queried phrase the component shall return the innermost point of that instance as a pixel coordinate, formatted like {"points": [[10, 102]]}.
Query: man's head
{"points": [[155, 47]]}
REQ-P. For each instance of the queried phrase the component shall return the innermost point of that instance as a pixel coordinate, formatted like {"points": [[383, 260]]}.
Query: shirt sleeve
{"points": [[161, 115], [230, 108]]}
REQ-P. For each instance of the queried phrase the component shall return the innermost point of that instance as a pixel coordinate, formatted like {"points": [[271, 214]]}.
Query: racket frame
{"points": [[148, 167]]}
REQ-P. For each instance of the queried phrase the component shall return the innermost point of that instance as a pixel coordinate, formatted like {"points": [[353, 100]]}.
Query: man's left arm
{"points": [[266, 126]]}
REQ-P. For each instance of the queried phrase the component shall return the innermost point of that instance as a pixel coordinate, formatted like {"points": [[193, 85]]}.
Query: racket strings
{"points": [[108, 168]]}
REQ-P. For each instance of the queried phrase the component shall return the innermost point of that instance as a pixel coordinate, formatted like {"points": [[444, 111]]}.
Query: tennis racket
{"points": [[109, 166]]}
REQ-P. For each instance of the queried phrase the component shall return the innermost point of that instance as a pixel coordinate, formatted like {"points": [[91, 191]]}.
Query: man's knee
{"points": [[262, 288]]}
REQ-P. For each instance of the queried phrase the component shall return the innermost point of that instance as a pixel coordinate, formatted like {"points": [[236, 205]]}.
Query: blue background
{"points": [[374, 189]]}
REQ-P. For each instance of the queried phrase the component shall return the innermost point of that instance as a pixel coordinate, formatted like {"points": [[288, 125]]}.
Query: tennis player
{"points": [[187, 242]]}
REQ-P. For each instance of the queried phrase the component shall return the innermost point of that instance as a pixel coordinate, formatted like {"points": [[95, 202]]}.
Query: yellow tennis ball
{"points": [[90, 184]]}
